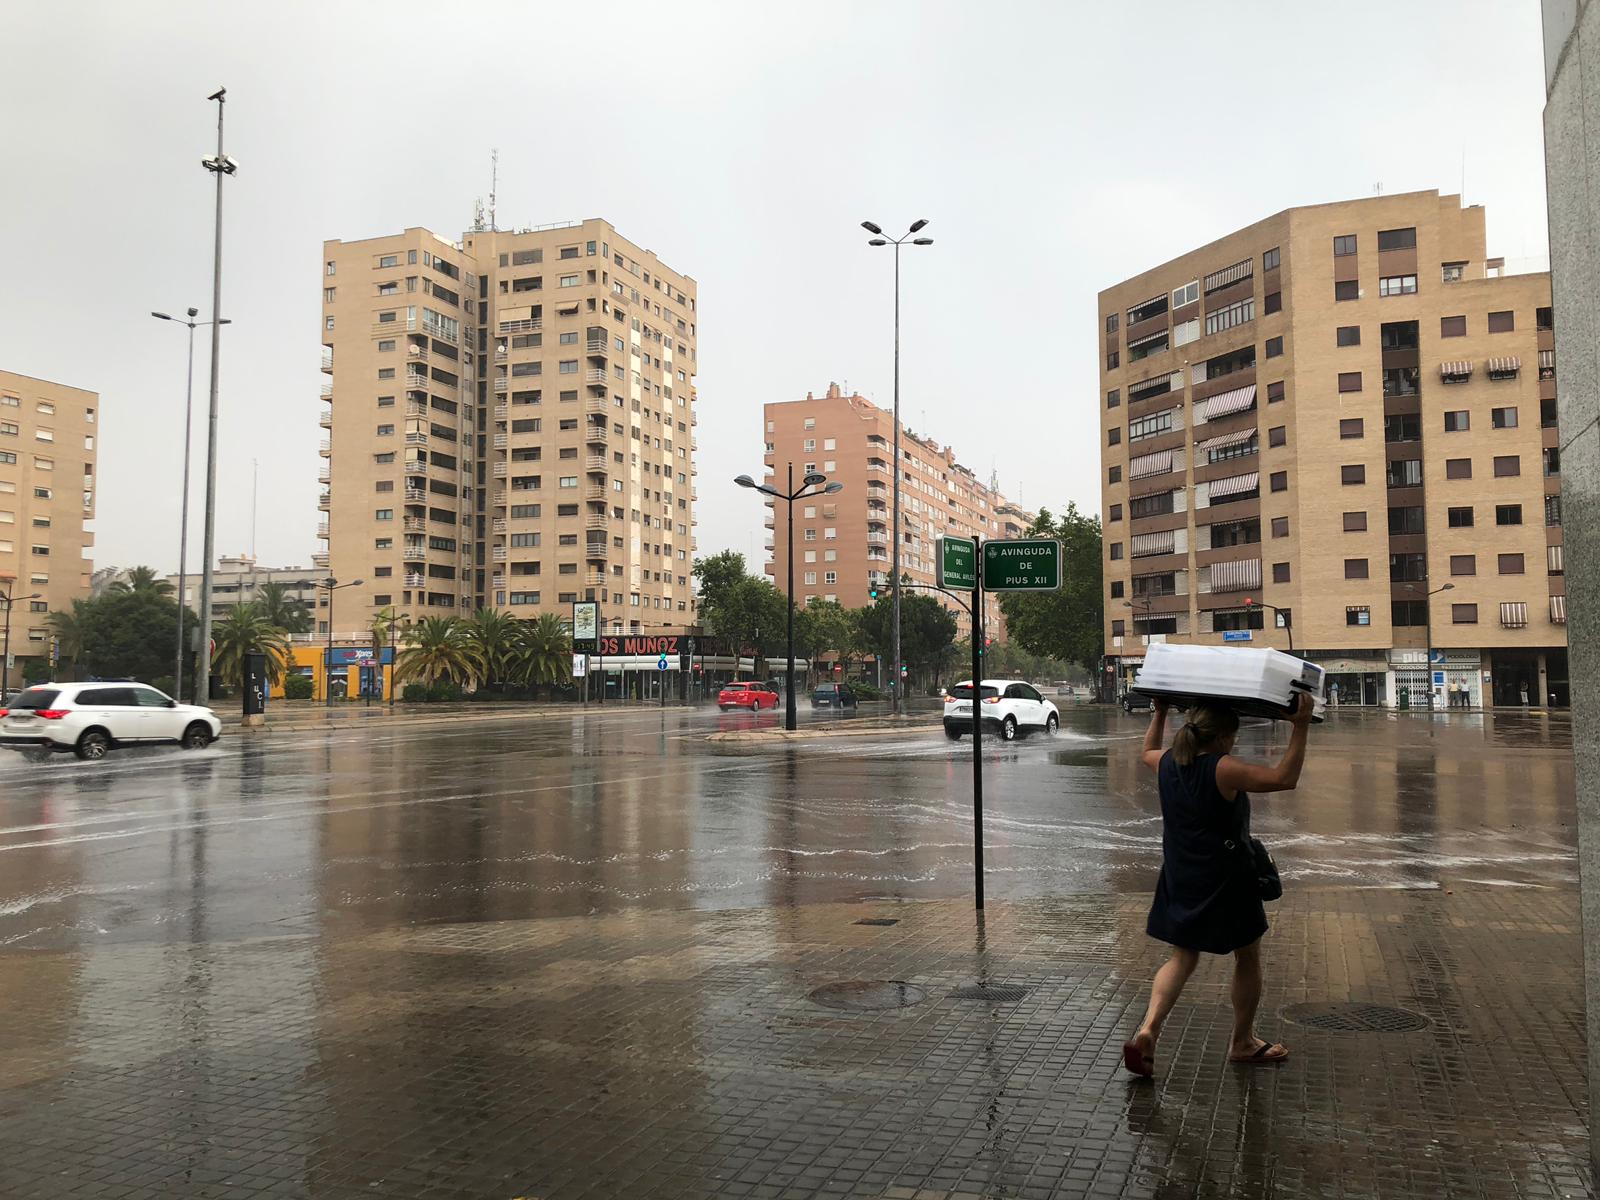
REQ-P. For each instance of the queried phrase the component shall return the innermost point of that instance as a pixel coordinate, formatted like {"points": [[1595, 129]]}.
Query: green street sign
{"points": [[1025, 565], [957, 564]]}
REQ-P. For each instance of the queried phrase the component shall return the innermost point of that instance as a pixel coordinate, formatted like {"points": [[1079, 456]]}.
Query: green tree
{"points": [[385, 623], [717, 576], [246, 630], [820, 627], [1067, 624], [542, 651], [927, 631], [142, 579], [281, 609], [438, 648], [752, 618], [127, 634], [493, 635]]}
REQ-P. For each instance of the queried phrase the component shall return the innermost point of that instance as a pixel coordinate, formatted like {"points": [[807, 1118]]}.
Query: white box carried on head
{"points": [[1253, 682]]}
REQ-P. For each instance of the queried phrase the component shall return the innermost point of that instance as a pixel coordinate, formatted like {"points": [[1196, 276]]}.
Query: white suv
{"points": [[1010, 707], [91, 718]]}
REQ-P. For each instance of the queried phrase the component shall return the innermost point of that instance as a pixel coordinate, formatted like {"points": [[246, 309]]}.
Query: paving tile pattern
{"points": [[653, 1054]]}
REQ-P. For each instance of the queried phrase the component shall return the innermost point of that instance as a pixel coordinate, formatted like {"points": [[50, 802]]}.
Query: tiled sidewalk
{"points": [[678, 1055]]}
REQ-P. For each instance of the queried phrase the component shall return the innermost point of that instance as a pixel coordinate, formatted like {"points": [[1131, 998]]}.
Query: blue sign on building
{"points": [[354, 656], [1236, 635]]}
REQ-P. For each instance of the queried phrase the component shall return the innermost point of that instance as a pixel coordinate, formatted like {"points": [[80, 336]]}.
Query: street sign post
{"points": [[661, 668], [1023, 565], [957, 564]]}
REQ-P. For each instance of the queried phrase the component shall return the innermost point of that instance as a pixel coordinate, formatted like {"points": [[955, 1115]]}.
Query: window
{"points": [[1507, 465], [1552, 510], [1118, 628], [1503, 418], [1111, 323], [1404, 473], [1277, 436], [1555, 560], [1355, 568], [1407, 568], [1402, 427], [1348, 335], [1151, 506], [383, 514], [1114, 475], [569, 281], [1351, 428], [1116, 589], [1463, 614], [1150, 426], [1352, 473], [1397, 285], [1187, 294], [1270, 260], [1452, 272], [1452, 327], [830, 577], [1344, 245], [1349, 381], [1113, 398], [1237, 313], [1275, 392], [1355, 522], [1358, 615], [1459, 518], [810, 535], [1397, 239], [1271, 304], [1458, 468], [1113, 361], [1346, 289], [1408, 613], [1116, 551], [1280, 572], [1280, 527], [1511, 564], [1274, 347], [383, 458], [568, 481], [1115, 513], [385, 430], [1552, 461], [1463, 564], [1457, 421], [1502, 322], [1278, 481]]}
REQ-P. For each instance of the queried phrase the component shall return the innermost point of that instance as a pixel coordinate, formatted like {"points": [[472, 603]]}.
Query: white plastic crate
{"points": [[1253, 682]]}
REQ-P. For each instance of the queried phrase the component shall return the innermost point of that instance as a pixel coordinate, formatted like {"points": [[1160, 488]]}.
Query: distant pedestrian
{"points": [[1208, 898], [1524, 693], [1333, 694]]}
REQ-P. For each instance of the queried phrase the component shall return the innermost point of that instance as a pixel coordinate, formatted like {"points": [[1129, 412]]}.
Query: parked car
{"points": [[1010, 708], [833, 695], [1135, 702], [93, 718], [752, 694]]}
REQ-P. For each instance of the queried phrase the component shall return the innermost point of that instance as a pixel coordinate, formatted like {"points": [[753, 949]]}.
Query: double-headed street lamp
{"points": [[183, 504], [331, 585], [5, 661], [879, 240], [1279, 614], [814, 484], [1427, 608]]}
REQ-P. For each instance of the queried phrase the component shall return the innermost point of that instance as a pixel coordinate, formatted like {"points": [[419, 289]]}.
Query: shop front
{"points": [[1354, 680]]}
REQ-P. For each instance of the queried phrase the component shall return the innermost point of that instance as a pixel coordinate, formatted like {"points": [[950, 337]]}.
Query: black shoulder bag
{"points": [[1257, 860]]}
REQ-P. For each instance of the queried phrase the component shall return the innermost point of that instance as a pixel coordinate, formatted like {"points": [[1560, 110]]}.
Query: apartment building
{"points": [[239, 579], [1337, 427], [515, 425], [843, 546], [48, 456]]}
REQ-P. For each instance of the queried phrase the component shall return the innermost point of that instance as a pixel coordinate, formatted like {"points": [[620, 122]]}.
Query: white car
{"points": [[1009, 707], [91, 718]]}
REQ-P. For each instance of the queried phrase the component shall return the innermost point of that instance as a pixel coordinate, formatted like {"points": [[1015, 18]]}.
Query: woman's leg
{"points": [[1246, 997], [1164, 993]]}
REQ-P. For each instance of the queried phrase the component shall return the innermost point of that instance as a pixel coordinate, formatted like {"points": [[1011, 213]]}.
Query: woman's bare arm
{"points": [[1235, 775], [1155, 738]]}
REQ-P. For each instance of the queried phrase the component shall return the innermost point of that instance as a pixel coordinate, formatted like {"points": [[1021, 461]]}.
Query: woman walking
{"points": [[1208, 899]]}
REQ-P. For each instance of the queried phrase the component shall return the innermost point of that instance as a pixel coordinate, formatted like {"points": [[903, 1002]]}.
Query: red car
{"points": [[753, 695]]}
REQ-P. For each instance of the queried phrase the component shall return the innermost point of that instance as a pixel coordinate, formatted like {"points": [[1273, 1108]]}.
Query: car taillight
{"points": [[949, 699], [991, 699], [5, 712], [53, 714]]}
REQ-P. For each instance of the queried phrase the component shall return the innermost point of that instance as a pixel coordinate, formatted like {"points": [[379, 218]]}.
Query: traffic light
{"points": [[872, 590]]}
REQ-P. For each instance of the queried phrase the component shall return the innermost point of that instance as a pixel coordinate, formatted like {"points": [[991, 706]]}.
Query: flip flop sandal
{"points": [[1267, 1052], [1136, 1062]]}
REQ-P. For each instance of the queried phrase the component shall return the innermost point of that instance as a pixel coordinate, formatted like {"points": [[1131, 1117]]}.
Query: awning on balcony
{"points": [[1237, 438], [1150, 464], [1513, 615], [1145, 544], [1234, 485], [1547, 360], [1558, 610], [1227, 403], [1159, 489], [1149, 337], [1504, 366], [1241, 576], [1556, 559], [1454, 370]]}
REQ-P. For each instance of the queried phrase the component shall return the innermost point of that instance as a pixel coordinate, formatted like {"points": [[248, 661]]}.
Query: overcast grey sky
{"points": [[1056, 148]]}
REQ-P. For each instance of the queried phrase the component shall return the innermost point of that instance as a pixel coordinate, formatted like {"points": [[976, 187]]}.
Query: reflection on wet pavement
{"points": [[341, 963]]}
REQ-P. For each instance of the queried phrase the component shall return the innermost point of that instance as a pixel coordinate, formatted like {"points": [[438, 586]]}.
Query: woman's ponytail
{"points": [[1205, 727]]}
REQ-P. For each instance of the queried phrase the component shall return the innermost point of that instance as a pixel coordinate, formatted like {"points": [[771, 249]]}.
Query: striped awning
{"points": [[1158, 385], [1150, 464], [1504, 366], [1240, 576], [1558, 610], [1234, 485], [1453, 369], [1160, 489], [1149, 337], [1144, 544], [1222, 278], [1556, 559], [1237, 438], [1227, 403], [1547, 359], [1513, 614]]}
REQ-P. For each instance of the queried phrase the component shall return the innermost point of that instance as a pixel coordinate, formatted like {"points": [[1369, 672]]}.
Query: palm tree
{"points": [[385, 623], [68, 628], [288, 614], [438, 648], [544, 650], [246, 630], [143, 579], [493, 635]]}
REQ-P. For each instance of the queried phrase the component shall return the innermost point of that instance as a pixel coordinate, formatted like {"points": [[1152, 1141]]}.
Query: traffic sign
{"points": [[1236, 635], [1023, 565], [957, 562], [662, 665]]}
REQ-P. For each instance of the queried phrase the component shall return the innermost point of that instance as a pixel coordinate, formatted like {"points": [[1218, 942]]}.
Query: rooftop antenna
{"points": [[477, 216], [494, 185], [1377, 188]]}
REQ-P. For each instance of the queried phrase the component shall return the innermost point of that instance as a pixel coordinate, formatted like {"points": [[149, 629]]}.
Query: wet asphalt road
{"points": [[400, 823]]}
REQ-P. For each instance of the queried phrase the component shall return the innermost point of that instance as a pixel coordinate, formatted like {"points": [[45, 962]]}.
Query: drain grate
{"points": [[879, 921], [868, 995], [993, 993], [1356, 1018]]}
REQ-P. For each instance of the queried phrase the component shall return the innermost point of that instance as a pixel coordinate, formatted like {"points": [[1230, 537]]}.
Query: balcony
{"points": [[327, 391], [415, 549], [322, 531], [416, 495], [416, 467], [598, 347], [325, 476], [437, 331], [502, 411], [502, 385], [877, 539], [500, 554], [320, 559], [526, 325], [326, 420], [500, 353], [501, 498], [415, 579], [500, 470], [417, 352], [416, 408], [416, 381], [595, 579], [501, 441], [414, 525], [597, 521], [595, 495], [498, 525], [597, 462], [597, 434], [597, 404], [597, 375], [325, 448], [327, 365], [498, 579], [416, 439], [597, 552]]}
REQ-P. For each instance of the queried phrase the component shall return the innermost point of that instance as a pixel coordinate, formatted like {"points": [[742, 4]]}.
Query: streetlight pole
{"points": [[5, 655], [183, 504], [221, 166], [819, 482], [879, 240], [1277, 612], [331, 585], [1427, 606]]}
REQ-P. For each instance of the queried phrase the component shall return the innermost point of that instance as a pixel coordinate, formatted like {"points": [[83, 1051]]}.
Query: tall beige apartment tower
{"points": [[510, 424], [48, 456], [842, 542], [1338, 426]]}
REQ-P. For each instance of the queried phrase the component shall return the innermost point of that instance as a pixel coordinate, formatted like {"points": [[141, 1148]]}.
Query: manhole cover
{"points": [[994, 993], [879, 921], [1356, 1018], [867, 995]]}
